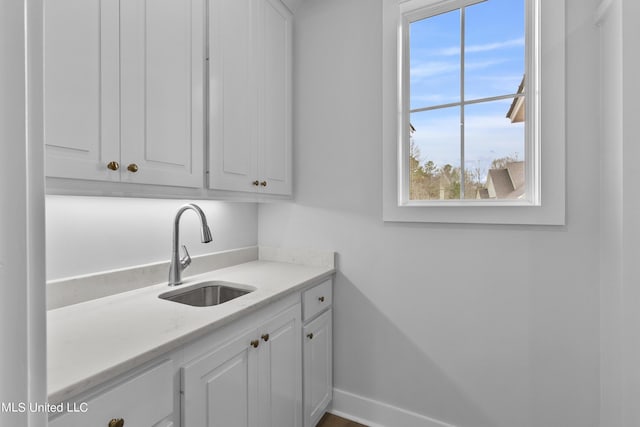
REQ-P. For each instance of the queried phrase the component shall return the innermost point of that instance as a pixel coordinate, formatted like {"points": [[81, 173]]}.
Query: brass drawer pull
{"points": [[256, 183], [321, 299], [116, 422], [265, 337], [263, 183], [255, 343], [132, 168], [114, 166], [310, 336]]}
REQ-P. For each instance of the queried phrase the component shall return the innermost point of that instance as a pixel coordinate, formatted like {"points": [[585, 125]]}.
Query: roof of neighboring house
{"points": [[516, 172], [506, 183], [482, 193], [500, 183], [516, 111]]}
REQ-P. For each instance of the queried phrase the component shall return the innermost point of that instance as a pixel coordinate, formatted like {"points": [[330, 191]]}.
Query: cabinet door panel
{"points": [[317, 355], [161, 92], [232, 105], [143, 400], [275, 97], [280, 371], [81, 78], [219, 390]]}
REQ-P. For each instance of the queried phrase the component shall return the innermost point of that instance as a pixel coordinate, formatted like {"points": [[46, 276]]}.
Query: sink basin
{"points": [[206, 294]]}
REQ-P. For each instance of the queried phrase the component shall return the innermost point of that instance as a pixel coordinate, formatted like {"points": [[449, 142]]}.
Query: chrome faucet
{"points": [[179, 264]]}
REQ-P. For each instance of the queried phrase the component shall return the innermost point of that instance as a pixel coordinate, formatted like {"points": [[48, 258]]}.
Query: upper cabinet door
{"points": [[162, 87], [250, 96], [232, 99], [81, 84], [274, 146]]}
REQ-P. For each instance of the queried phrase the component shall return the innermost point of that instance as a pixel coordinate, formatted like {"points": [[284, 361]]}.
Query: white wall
{"points": [[22, 296], [631, 211], [475, 326], [92, 234], [620, 228], [611, 228]]}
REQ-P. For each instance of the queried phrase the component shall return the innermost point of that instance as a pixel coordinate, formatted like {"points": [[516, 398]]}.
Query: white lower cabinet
{"points": [[248, 373], [317, 351], [145, 399], [221, 388], [318, 372], [254, 380]]}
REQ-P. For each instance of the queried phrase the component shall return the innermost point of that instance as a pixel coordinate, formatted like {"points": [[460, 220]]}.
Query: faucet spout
{"points": [[178, 264]]}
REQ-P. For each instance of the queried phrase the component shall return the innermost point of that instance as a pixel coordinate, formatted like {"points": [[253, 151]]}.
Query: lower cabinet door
{"points": [[220, 389], [144, 400], [280, 372], [317, 367], [255, 380]]}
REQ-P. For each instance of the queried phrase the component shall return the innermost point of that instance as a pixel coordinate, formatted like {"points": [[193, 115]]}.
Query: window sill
{"points": [[513, 215]]}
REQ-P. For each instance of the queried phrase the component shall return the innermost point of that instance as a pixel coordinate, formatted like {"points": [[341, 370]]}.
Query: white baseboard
{"points": [[377, 414]]}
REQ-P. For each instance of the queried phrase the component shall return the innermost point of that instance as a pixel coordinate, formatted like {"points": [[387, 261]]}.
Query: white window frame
{"points": [[545, 118]]}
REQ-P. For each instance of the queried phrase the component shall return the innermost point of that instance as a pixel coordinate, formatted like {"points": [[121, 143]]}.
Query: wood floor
{"points": [[330, 420]]}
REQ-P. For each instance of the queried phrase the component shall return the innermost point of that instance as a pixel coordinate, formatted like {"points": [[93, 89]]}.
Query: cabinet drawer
{"points": [[316, 299], [144, 400]]}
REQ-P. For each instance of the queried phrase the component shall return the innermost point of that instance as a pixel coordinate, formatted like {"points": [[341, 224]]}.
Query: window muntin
{"points": [[465, 73]]}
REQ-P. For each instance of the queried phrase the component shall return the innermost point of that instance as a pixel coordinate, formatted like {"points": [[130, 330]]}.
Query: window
{"points": [[466, 143], [466, 101]]}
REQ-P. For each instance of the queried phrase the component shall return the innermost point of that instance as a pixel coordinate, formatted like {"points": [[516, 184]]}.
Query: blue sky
{"points": [[494, 66]]}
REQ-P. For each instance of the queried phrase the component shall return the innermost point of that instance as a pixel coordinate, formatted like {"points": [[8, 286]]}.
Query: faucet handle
{"points": [[186, 259]]}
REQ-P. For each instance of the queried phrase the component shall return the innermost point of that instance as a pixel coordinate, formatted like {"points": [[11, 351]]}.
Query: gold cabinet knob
{"points": [[114, 166], [116, 422], [132, 168], [256, 183], [255, 343], [310, 336], [263, 183], [265, 337], [321, 299]]}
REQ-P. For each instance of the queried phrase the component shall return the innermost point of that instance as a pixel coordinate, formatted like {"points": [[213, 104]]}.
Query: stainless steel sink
{"points": [[206, 294]]}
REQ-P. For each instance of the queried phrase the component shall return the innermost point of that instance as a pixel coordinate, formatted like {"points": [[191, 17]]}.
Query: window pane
{"points": [[494, 150], [435, 60], [435, 155], [494, 48]]}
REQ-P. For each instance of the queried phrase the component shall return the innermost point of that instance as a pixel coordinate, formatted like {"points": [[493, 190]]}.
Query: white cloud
{"points": [[435, 68], [434, 99], [487, 47]]}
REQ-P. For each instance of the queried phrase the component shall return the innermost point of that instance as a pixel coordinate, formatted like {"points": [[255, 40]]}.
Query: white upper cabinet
{"points": [[274, 98], [162, 91], [232, 100], [124, 90], [81, 88], [250, 96]]}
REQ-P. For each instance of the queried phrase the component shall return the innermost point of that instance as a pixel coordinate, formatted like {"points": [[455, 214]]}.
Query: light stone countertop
{"points": [[141, 326]]}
